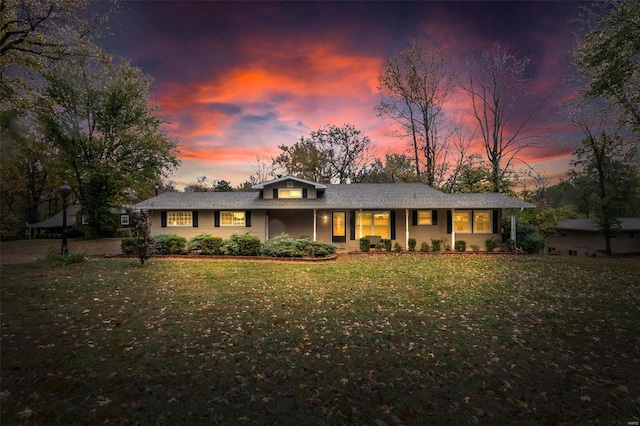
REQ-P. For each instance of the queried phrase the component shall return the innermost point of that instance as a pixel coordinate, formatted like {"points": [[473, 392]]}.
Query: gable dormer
{"points": [[290, 187]]}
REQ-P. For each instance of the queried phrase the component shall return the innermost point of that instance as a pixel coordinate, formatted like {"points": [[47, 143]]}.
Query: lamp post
{"points": [[64, 192]]}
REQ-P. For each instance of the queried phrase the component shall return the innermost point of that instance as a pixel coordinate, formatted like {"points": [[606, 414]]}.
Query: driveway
{"points": [[12, 252]]}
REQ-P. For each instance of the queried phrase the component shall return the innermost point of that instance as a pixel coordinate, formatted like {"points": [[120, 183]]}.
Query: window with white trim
{"points": [[232, 218], [462, 221], [482, 222], [424, 217], [180, 218], [290, 193], [373, 223], [124, 219]]}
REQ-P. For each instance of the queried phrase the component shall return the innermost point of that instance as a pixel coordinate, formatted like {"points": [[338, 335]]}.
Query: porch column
{"points": [[453, 228], [315, 225], [406, 227], [513, 227], [361, 236]]}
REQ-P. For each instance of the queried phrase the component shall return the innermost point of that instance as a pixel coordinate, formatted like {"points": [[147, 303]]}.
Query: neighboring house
{"points": [[581, 237], [338, 214], [53, 225]]}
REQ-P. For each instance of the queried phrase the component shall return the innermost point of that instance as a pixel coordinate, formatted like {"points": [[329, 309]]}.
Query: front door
{"points": [[339, 227]]}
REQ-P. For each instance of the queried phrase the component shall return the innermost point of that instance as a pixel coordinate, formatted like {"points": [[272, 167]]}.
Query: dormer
{"points": [[290, 187]]}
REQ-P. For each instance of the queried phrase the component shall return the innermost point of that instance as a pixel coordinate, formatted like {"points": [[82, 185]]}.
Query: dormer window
{"points": [[290, 193]]}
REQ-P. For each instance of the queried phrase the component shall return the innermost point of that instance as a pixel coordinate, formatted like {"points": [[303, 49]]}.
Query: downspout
{"points": [[315, 225]]}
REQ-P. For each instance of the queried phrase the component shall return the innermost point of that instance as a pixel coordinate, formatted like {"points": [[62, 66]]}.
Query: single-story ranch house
{"points": [[581, 237], [338, 214]]}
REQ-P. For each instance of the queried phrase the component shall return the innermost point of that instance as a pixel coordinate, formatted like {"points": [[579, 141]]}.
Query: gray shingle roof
{"points": [[285, 178], [627, 223], [355, 196], [55, 221]]}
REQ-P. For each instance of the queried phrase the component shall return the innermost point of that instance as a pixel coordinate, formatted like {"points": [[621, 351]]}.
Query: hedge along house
{"points": [[338, 214]]}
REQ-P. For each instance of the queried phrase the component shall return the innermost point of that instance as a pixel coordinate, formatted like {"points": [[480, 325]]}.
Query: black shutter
{"points": [[163, 219], [194, 218], [434, 217], [275, 192], [247, 218], [393, 224], [352, 224], [414, 217], [216, 218], [304, 192], [495, 229], [449, 222]]}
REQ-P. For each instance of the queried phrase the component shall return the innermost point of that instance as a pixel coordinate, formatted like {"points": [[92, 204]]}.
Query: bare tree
{"points": [[262, 170], [605, 164], [414, 86], [496, 84], [342, 153]]}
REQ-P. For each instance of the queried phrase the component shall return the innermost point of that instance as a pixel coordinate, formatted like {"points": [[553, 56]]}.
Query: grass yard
{"points": [[365, 340]]}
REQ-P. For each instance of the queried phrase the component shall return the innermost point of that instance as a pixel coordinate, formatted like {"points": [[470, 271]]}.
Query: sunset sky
{"points": [[237, 79]]}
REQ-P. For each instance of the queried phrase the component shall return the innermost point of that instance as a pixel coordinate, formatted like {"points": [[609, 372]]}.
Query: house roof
{"points": [[343, 196], [55, 221], [588, 225]]}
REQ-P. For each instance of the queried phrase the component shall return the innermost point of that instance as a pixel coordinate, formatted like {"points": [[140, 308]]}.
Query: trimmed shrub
{"points": [[283, 245], [365, 244], [397, 247], [510, 245], [170, 244], [242, 245], [460, 245], [286, 246], [424, 247], [533, 243], [412, 244], [490, 244], [211, 245], [380, 246], [315, 248], [129, 245], [436, 245], [387, 244], [195, 243], [475, 247]]}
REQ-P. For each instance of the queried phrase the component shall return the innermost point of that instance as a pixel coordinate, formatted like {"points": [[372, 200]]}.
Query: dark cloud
{"points": [[259, 74]]}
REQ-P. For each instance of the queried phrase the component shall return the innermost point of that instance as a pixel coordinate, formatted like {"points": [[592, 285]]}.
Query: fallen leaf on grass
{"points": [[26, 413]]}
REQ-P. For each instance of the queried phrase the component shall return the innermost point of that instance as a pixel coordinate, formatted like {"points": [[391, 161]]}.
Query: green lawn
{"points": [[368, 340]]}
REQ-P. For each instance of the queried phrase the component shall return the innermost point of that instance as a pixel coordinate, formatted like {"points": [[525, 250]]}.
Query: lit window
{"points": [[424, 217], [84, 220], [179, 219], [290, 193], [373, 223], [482, 221], [462, 221], [232, 218], [124, 219]]}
